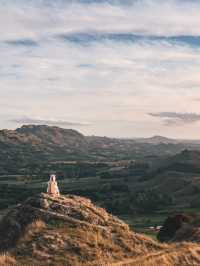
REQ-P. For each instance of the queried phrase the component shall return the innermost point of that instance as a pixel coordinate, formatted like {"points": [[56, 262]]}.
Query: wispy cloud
{"points": [[22, 42], [173, 118], [54, 122], [39, 19], [101, 61], [95, 37]]}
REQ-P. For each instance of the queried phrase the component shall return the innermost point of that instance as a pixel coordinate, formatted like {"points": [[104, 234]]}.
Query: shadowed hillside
{"points": [[188, 161], [181, 227]]}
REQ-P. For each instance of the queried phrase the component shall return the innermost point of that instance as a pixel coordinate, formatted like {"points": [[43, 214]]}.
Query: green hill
{"points": [[126, 176]]}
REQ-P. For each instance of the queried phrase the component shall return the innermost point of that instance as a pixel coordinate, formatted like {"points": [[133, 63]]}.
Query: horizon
{"points": [[102, 136], [104, 67]]}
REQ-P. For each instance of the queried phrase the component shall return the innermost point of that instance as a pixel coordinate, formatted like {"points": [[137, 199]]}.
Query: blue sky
{"points": [[118, 68]]}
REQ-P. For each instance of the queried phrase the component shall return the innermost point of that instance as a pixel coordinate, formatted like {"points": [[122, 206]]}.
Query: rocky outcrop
{"points": [[181, 227], [68, 231]]}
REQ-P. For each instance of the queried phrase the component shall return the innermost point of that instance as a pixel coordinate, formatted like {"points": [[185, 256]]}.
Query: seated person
{"points": [[52, 188]]}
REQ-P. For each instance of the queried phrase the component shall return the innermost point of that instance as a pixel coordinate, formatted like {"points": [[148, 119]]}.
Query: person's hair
{"points": [[52, 177]]}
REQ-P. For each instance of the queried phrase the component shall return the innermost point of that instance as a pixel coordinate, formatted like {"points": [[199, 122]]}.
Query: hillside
{"points": [[47, 136], [158, 140], [72, 231], [32, 149], [181, 227], [42, 137], [112, 172], [177, 175], [186, 161], [68, 230]]}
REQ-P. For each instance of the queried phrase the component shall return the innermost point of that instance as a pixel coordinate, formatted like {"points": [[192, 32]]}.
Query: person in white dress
{"points": [[52, 188]]}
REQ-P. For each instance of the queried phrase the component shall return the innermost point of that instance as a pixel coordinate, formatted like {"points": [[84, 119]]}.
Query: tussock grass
{"points": [[35, 227], [71, 231], [7, 260], [183, 254]]}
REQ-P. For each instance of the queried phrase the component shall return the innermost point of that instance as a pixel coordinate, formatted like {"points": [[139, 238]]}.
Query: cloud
{"points": [[22, 42], [100, 61], [86, 38], [42, 19], [173, 118], [53, 122]]}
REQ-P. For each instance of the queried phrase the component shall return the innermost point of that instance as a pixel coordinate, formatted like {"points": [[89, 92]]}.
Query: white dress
{"points": [[53, 188]]}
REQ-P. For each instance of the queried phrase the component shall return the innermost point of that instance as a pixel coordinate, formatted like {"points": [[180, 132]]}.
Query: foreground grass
{"points": [[7, 260]]}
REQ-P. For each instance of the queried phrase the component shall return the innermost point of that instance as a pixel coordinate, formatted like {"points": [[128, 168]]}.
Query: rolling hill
{"points": [[112, 172], [70, 230], [32, 146]]}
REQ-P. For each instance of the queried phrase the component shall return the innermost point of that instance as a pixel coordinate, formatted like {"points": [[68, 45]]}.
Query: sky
{"points": [[117, 68]]}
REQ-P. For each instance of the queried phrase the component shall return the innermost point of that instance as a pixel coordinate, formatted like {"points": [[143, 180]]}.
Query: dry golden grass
{"points": [[35, 227], [80, 245], [83, 246], [7, 260], [71, 231], [183, 254]]}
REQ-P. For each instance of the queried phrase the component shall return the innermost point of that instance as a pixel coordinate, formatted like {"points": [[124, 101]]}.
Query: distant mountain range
{"points": [[38, 144], [44, 136], [51, 135], [161, 139], [157, 140]]}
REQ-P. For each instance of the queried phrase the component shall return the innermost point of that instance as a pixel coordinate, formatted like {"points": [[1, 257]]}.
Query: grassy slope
{"points": [[140, 223], [69, 241]]}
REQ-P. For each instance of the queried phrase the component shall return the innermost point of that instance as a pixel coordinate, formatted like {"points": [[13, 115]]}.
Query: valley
{"points": [[140, 180]]}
